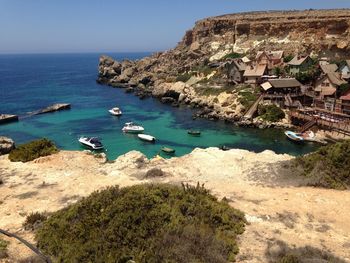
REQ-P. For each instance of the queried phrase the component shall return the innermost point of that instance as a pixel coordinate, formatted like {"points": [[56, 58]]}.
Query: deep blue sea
{"points": [[33, 82]]}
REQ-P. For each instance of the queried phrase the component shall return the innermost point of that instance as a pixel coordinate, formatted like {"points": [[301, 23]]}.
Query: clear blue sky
{"points": [[42, 26]]}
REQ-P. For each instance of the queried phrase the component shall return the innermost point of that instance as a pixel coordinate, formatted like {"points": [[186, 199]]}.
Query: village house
{"points": [[284, 92], [269, 58], [345, 70], [253, 74], [345, 103], [299, 64], [235, 70], [326, 90]]}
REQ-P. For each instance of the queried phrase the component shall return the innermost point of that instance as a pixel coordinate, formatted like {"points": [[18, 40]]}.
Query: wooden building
{"points": [[299, 64]]}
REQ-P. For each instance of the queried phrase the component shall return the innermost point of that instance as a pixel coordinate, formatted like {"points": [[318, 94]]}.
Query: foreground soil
{"points": [[276, 208]]}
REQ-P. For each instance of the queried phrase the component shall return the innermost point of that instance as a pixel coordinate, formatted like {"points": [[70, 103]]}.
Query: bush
{"points": [[233, 55], [288, 58], [184, 77], [271, 113], [247, 98], [328, 167], [145, 223], [34, 221], [32, 150], [3, 248], [279, 252]]}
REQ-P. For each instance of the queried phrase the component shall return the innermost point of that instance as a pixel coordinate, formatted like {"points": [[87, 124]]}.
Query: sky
{"points": [[61, 26]]}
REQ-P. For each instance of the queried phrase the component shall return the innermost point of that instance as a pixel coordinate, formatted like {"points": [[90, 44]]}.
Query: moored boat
{"points": [[297, 137], [132, 128], [194, 132], [146, 137], [115, 111], [168, 150], [91, 142]]}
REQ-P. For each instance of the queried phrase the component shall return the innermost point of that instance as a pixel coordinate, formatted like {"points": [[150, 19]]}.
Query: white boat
{"points": [[146, 137], [132, 128], [91, 142], [294, 136], [115, 111]]}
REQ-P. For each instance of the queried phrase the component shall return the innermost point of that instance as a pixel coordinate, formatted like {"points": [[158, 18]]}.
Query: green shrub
{"points": [[32, 150], [343, 88], [247, 98], [34, 221], [328, 167], [145, 223], [183, 77], [271, 112], [210, 91], [288, 58], [233, 55], [3, 248]]}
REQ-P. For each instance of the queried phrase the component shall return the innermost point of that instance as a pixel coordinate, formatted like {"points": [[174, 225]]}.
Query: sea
{"points": [[32, 82]]}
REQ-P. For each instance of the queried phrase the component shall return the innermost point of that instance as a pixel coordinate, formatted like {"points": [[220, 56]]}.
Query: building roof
{"points": [[335, 78], [346, 96], [245, 59], [298, 60], [285, 83], [266, 85], [255, 71], [329, 68], [270, 54], [328, 91], [240, 64]]}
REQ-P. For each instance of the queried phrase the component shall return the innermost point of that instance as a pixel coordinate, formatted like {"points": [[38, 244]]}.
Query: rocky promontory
{"points": [[190, 73]]}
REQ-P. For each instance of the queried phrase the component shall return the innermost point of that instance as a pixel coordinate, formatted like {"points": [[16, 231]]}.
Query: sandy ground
{"points": [[275, 210]]}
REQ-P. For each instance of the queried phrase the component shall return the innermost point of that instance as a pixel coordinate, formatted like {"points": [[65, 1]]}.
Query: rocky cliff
{"points": [[321, 32]]}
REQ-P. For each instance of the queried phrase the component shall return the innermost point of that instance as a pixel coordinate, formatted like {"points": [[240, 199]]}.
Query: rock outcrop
{"points": [[6, 145]]}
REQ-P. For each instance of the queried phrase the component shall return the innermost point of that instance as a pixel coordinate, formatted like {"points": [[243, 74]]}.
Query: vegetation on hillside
{"points": [[183, 77], [32, 150], [3, 248], [271, 112], [279, 252], [327, 167], [213, 91], [248, 95], [145, 223], [233, 55]]}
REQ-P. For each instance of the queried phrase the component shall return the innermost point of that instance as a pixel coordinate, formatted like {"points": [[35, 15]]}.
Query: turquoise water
{"points": [[32, 82]]}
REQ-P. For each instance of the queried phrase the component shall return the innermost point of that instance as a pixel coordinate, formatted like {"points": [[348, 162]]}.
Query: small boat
{"points": [[168, 150], [91, 142], [146, 137], [132, 128], [297, 137], [194, 133], [115, 111]]}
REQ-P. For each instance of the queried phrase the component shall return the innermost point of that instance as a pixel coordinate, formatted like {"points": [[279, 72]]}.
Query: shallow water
{"points": [[32, 82]]}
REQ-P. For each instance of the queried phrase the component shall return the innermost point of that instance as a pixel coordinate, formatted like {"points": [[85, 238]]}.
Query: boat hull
{"points": [[168, 150], [145, 137], [294, 136], [115, 113]]}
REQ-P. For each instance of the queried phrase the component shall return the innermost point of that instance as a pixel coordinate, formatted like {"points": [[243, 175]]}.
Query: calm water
{"points": [[32, 82]]}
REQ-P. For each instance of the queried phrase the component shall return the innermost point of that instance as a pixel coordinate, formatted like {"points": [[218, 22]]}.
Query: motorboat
{"points": [[91, 142], [146, 137], [168, 150], [297, 137], [115, 111], [132, 128], [194, 132]]}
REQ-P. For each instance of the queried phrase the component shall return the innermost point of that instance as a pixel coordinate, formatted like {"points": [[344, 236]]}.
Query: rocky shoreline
{"points": [[213, 107]]}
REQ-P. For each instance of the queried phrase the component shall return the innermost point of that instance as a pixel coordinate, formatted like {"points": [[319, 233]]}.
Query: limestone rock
{"points": [[6, 145]]}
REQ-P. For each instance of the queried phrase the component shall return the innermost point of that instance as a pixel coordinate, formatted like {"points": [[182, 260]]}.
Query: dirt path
{"points": [[299, 216]]}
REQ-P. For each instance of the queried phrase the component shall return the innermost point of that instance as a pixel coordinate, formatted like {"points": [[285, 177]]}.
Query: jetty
{"points": [[7, 118], [251, 111], [53, 108], [333, 121]]}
